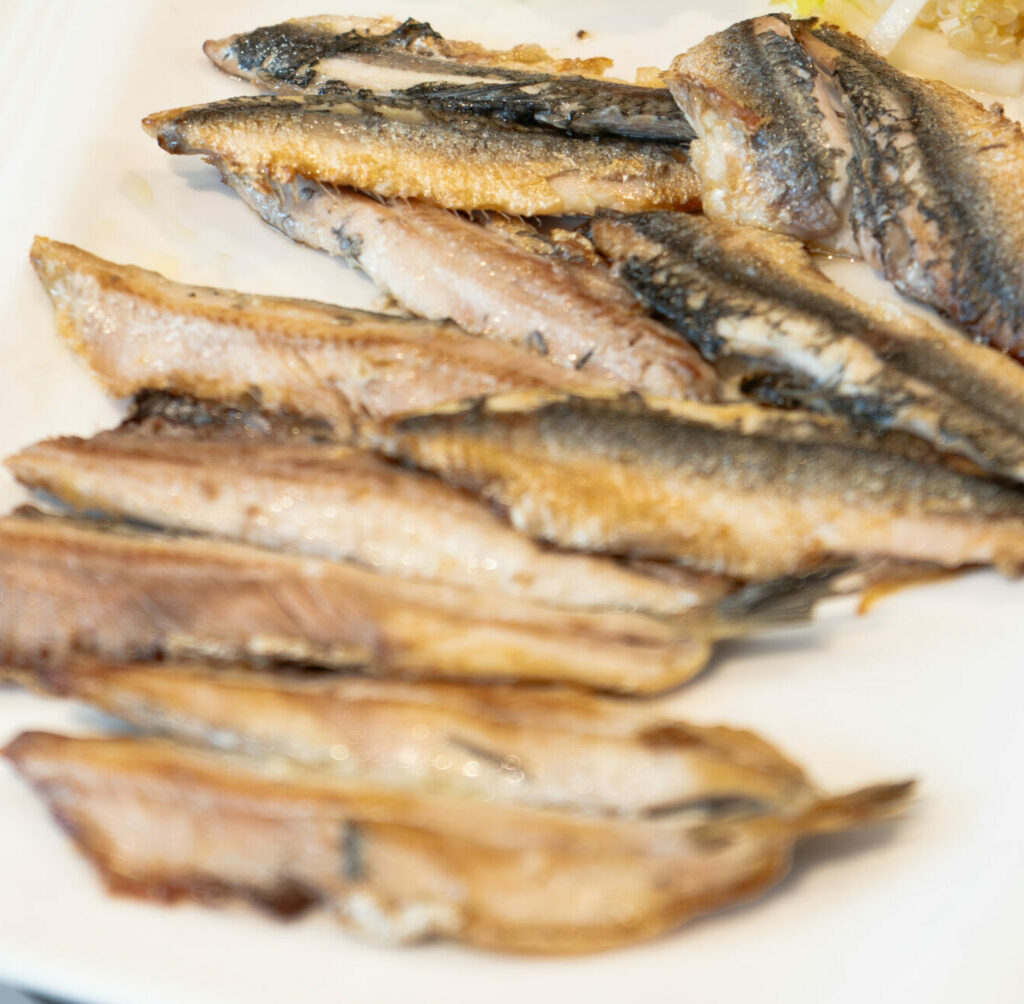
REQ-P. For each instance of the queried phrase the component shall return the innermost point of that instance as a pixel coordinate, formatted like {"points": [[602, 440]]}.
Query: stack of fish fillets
{"points": [[351, 576]]}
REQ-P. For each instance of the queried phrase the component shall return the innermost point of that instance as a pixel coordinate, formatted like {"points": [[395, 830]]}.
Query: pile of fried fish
{"points": [[382, 596]]}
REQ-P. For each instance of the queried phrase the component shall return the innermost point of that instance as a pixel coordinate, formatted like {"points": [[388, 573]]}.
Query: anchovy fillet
{"points": [[522, 745], [331, 501], [334, 55], [743, 293], [409, 148], [440, 265], [71, 587], [737, 489], [137, 330], [165, 822]]}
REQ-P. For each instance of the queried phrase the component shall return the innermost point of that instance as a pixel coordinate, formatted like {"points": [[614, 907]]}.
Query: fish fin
{"points": [[789, 599], [856, 808]]}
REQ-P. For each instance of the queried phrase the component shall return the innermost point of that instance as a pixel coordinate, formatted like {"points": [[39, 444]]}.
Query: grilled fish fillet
{"points": [[217, 477], [803, 129], [440, 265], [70, 586], [409, 148], [744, 294], [539, 746], [165, 822], [735, 489], [323, 55], [137, 330]]}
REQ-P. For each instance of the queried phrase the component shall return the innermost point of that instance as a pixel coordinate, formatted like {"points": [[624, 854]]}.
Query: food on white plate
{"points": [[803, 129], [72, 586], [527, 745], [734, 489], [167, 822], [757, 299], [137, 330], [401, 146], [332, 55], [227, 474]]}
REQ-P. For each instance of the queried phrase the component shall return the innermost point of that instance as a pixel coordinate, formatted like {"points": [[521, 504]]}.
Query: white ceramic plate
{"points": [[928, 685]]}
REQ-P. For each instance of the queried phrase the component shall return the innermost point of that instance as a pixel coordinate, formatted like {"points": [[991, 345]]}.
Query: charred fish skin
{"points": [[771, 149], [70, 586], [306, 54], [734, 489], [399, 147], [537, 746], [742, 292], [226, 476], [573, 315], [313, 57], [939, 188], [137, 330], [164, 822]]}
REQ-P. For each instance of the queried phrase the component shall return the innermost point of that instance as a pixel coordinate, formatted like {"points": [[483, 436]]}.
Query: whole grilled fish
{"points": [[441, 265], [74, 587], [167, 822], [540, 746], [221, 476], [137, 330], [406, 147], [322, 55], [803, 129], [735, 489], [745, 294]]}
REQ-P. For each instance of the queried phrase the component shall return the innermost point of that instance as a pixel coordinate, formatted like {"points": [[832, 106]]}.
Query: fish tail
{"points": [[789, 599], [856, 808]]}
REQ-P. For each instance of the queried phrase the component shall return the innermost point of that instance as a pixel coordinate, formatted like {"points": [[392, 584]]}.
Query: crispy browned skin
{"points": [[541, 746], [803, 129], [738, 489], [440, 265], [166, 823], [67, 586], [755, 298], [137, 330], [222, 477], [321, 55], [409, 148]]}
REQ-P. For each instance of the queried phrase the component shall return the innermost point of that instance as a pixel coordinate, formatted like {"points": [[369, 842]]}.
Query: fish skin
{"points": [[540, 746], [168, 823], [405, 148], [137, 330], [938, 185], [743, 292], [319, 56], [73, 586], [770, 148], [573, 314], [737, 489], [331, 501]]}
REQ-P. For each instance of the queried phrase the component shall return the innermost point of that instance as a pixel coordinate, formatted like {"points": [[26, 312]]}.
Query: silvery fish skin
{"points": [[772, 149], [440, 265], [521, 745], [137, 330], [734, 489], [916, 177], [76, 587], [409, 148], [331, 55], [938, 185], [166, 822], [333, 501], [744, 293]]}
